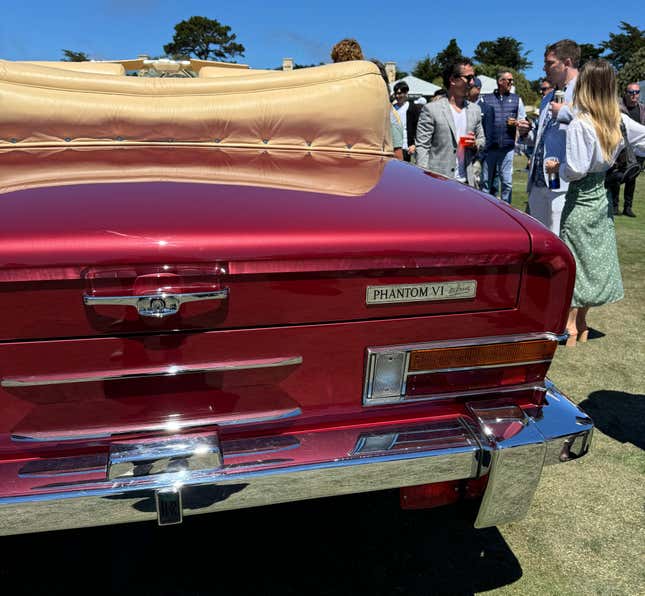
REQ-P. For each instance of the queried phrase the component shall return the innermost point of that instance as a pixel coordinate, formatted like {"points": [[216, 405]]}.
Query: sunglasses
{"points": [[467, 78], [400, 93], [545, 89], [509, 80], [633, 92]]}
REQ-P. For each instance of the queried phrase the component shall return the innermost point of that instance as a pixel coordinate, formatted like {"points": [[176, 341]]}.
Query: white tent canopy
{"points": [[488, 84], [420, 87], [417, 86]]}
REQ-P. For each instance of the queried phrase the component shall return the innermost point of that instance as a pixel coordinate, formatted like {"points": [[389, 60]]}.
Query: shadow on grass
{"points": [[593, 334], [360, 544], [618, 414]]}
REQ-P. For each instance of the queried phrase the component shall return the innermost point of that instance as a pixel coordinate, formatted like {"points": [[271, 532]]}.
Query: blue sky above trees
{"points": [[270, 31]]}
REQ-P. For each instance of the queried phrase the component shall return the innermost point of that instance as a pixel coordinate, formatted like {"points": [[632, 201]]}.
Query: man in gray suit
{"points": [[450, 132]]}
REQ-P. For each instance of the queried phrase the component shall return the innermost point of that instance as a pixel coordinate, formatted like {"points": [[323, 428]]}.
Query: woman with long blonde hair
{"points": [[594, 139]]}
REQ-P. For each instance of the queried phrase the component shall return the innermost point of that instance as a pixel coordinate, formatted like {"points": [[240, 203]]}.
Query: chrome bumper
{"points": [[497, 439]]}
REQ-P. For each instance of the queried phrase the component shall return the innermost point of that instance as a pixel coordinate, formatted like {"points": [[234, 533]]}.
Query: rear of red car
{"points": [[174, 344]]}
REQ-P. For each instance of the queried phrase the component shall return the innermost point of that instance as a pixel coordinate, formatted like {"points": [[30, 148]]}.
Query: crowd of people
{"points": [[582, 131]]}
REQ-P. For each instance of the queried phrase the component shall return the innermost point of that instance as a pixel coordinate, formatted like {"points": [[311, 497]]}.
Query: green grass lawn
{"points": [[585, 533]]}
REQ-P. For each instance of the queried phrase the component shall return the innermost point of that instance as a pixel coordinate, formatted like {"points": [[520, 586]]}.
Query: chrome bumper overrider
{"points": [[496, 439]]}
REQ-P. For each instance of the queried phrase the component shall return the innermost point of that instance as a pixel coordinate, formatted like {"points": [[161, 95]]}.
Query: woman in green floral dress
{"points": [[594, 140]]}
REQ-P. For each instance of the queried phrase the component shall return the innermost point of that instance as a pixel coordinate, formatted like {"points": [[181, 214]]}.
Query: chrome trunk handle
{"points": [[158, 305]]}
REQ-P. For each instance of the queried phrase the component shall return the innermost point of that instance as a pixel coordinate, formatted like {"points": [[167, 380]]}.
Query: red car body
{"points": [[262, 396]]}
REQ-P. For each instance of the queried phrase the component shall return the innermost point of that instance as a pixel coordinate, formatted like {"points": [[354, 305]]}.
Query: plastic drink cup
{"points": [[466, 142]]}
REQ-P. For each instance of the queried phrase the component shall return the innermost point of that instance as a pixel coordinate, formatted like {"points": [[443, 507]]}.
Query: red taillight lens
{"points": [[471, 380]]}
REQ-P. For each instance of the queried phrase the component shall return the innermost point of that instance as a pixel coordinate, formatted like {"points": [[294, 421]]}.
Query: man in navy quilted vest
{"points": [[509, 114]]}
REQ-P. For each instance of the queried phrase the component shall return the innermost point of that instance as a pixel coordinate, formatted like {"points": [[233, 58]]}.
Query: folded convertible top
{"points": [[338, 107]]}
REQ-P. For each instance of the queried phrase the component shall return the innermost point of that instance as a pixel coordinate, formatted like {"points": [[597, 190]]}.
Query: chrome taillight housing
{"points": [[444, 368]]}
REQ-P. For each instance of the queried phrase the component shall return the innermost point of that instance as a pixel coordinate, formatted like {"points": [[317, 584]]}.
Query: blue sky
{"points": [[403, 32]]}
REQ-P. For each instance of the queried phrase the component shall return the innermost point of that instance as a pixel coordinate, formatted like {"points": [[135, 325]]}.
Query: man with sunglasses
{"points": [[630, 105], [449, 132], [409, 114], [545, 88], [500, 147]]}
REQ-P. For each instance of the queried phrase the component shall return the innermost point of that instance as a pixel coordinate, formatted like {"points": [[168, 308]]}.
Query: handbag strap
{"points": [[630, 157]]}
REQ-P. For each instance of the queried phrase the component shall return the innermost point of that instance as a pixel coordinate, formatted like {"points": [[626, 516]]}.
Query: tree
{"points": [[426, 69], [400, 74], [506, 51], [522, 85], [633, 71], [622, 46], [588, 51], [71, 56], [203, 38], [448, 55], [535, 85], [430, 69]]}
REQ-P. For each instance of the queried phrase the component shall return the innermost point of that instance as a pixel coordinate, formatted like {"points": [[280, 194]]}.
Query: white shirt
{"points": [[584, 154], [402, 111], [461, 128]]}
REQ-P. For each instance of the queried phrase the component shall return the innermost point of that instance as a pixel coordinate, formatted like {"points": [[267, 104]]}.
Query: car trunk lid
{"points": [[399, 242]]}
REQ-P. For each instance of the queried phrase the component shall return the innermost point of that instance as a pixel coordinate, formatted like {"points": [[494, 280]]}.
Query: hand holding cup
{"points": [[551, 165], [468, 141], [523, 126]]}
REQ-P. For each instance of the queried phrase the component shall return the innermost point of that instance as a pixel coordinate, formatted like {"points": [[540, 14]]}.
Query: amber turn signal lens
{"points": [[484, 355]]}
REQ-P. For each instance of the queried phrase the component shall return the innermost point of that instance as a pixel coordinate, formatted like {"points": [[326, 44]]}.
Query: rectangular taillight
{"points": [[418, 371]]}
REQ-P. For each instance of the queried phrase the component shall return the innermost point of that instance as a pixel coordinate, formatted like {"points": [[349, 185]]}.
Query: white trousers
{"points": [[546, 205]]}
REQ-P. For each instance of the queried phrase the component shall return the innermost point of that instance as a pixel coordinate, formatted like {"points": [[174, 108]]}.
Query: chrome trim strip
{"points": [[478, 367], [406, 366], [261, 446], [455, 394], [81, 465], [163, 426], [473, 341], [166, 371], [119, 501], [158, 305]]}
